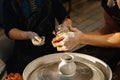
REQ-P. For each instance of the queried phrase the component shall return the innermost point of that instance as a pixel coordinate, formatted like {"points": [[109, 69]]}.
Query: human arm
{"points": [[17, 34], [14, 28], [107, 36]]}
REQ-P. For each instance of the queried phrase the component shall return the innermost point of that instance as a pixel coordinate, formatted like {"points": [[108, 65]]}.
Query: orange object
{"points": [[13, 76]]}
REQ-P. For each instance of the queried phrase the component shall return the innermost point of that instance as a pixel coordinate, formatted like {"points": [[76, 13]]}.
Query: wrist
{"points": [[31, 34], [26, 34], [81, 38]]}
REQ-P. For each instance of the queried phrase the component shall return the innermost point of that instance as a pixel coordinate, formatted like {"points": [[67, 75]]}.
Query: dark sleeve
{"points": [[104, 4], [9, 17], [106, 8], [59, 10]]}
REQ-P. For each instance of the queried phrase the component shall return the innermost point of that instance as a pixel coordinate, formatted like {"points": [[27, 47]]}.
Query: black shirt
{"points": [[114, 11], [13, 14]]}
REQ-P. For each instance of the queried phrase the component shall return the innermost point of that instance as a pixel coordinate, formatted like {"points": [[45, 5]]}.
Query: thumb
{"points": [[73, 29]]}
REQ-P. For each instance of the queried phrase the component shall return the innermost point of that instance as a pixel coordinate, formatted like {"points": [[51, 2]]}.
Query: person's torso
{"points": [[40, 21], [114, 11], [25, 6]]}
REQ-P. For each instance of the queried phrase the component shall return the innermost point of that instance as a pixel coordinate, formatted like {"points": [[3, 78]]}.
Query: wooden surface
{"points": [[87, 14]]}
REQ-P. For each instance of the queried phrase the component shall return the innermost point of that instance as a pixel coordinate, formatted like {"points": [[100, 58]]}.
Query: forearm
{"points": [[17, 34], [103, 30], [109, 40]]}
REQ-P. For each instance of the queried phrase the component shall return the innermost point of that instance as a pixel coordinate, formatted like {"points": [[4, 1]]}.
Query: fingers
{"points": [[73, 29], [57, 39], [38, 41], [68, 21], [58, 42], [61, 42], [62, 48]]}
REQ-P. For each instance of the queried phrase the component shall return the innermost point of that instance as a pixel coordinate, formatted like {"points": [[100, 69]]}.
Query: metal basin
{"points": [[87, 68]]}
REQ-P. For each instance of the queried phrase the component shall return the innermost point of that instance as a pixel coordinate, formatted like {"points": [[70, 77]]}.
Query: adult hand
{"points": [[67, 40], [64, 27], [36, 39], [67, 23]]}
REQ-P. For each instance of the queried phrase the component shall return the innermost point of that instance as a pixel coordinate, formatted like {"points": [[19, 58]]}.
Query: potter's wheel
{"points": [[87, 68]]}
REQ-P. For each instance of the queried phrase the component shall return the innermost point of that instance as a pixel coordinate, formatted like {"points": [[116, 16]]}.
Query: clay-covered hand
{"points": [[64, 27], [36, 39], [67, 40]]}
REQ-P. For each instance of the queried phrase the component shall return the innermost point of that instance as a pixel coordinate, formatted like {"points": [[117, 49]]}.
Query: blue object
{"points": [[26, 8]]}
